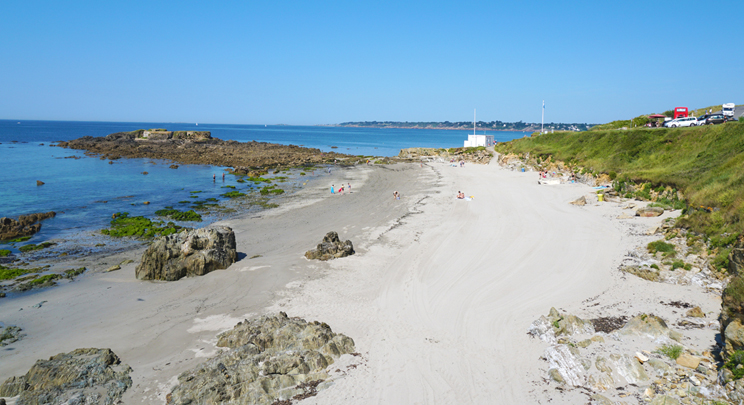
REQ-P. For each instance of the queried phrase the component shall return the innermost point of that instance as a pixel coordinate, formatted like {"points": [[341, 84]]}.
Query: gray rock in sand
{"points": [[83, 376], [331, 248], [188, 253]]}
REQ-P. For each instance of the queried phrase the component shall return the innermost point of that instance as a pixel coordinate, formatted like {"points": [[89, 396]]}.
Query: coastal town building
{"points": [[479, 140]]}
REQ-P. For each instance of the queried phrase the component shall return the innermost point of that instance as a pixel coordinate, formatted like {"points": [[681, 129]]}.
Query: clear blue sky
{"points": [[317, 62]]}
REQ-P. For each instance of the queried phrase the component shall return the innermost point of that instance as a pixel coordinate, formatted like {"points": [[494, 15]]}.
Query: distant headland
{"points": [[465, 125]]}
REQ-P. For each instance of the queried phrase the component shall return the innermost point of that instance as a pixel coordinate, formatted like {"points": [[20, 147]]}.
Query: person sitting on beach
{"points": [[460, 195]]}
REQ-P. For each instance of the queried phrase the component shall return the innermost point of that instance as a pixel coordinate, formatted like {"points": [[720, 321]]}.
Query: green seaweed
{"points": [[71, 273], [271, 190], [233, 194], [19, 239], [4, 252], [189, 215], [195, 192], [123, 225], [232, 187], [32, 247]]}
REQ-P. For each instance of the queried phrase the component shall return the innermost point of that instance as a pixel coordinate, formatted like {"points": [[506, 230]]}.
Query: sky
{"points": [[326, 62]]}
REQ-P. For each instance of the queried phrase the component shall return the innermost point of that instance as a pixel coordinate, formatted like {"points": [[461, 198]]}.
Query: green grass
{"points": [[124, 225], [705, 163], [661, 246], [177, 215], [671, 351]]}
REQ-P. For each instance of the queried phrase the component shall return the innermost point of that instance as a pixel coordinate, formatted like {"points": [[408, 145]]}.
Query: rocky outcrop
{"points": [[649, 212], [188, 253], [736, 258], [331, 248], [650, 326], [25, 225], [83, 376], [471, 155], [194, 147], [270, 359]]}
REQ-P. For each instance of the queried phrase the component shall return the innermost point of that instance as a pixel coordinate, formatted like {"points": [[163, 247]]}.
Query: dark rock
{"points": [[145, 173], [26, 225], [83, 376], [271, 359], [39, 183], [331, 248], [173, 166], [187, 254], [194, 147]]}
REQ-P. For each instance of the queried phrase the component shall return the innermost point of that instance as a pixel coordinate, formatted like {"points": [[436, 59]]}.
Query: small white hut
{"points": [[478, 140]]}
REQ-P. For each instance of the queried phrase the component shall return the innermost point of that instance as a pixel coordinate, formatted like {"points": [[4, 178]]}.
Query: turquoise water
{"points": [[86, 191]]}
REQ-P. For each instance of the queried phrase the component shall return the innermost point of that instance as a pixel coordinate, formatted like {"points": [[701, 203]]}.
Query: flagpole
{"points": [[542, 120]]}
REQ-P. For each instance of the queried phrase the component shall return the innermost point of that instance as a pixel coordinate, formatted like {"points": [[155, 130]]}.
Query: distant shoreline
{"points": [[429, 127]]}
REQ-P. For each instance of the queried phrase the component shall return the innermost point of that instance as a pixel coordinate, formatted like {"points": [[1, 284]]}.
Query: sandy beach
{"points": [[438, 297]]}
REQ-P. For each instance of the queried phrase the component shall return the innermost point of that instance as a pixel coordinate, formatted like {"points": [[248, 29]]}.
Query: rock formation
{"points": [[470, 155], [271, 359], [26, 225], [649, 212], [83, 376], [188, 253], [194, 147], [331, 248]]}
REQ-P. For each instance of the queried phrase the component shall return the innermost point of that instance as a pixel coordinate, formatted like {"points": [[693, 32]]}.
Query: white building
{"points": [[479, 140]]}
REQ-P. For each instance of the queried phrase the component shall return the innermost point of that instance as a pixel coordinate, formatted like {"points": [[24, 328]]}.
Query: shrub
{"points": [[661, 246], [671, 351], [613, 176], [736, 359], [687, 266], [677, 264], [721, 260], [655, 266]]}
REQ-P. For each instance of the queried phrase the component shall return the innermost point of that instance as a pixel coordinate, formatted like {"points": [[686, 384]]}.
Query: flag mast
{"points": [[542, 120]]}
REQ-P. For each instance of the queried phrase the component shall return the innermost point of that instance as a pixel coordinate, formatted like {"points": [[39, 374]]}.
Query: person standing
{"points": [[349, 184], [332, 191]]}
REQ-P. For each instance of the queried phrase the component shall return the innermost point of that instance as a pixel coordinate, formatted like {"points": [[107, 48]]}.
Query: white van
{"points": [[728, 110]]}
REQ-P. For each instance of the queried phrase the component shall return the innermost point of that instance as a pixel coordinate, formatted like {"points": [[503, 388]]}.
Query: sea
{"points": [[85, 191]]}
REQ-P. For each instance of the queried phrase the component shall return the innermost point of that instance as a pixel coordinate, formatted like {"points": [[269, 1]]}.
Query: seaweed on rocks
{"points": [[608, 324], [123, 225]]}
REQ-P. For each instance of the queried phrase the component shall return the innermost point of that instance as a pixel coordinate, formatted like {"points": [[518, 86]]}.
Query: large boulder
{"points": [[732, 315], [188, 253], [331, 248], [270, 359], [25, 225], [83, 376]]}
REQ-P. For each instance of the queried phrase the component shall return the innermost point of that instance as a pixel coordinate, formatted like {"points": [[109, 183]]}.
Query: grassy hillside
{"points": [[705, 163]]}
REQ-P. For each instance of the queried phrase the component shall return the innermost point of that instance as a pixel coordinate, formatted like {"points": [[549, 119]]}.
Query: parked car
{"points": [[701, 119], [681, 122], [714, 119]]}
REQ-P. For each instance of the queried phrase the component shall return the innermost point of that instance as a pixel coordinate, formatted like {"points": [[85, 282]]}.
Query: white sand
{"points": [[438, 297]]}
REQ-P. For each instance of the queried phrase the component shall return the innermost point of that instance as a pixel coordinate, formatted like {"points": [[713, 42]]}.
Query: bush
{"points": [[671, 351], [736, 359], [613, 176], [661, 246], [655, 266], [677, 264]]}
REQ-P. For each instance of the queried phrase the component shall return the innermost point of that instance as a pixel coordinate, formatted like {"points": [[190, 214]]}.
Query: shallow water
{"points": [[86, 191]]}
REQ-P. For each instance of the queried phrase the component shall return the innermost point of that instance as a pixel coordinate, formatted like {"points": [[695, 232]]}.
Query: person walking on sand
{"points": [[349, 184], [332, 192]]}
